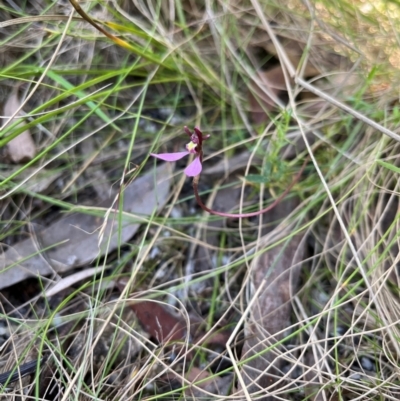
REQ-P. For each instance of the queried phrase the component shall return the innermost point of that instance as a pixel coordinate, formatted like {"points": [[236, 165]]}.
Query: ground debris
{"points": [[274, 276], [72, 241], [21, 148]]}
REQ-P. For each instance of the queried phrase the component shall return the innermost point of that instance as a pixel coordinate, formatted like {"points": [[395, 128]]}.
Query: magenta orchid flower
{"points": [[195, 147]]}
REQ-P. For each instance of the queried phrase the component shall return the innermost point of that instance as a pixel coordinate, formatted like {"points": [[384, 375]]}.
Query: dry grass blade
{"points": [[209, 384], [186, 305], [274, 276], [38, 18]]}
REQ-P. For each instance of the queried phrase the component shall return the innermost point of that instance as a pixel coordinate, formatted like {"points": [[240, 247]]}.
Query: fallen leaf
{"points": [[211, 387], [218, 385], [318, 59], [70, 280], [277, 270], [158, 322], [271, 88], [165, 326], [40, 180], [72, 241], [264, 97], [21, 148]]}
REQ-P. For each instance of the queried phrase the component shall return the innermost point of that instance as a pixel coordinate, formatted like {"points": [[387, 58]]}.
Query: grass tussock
{"points": [[274, 84]]}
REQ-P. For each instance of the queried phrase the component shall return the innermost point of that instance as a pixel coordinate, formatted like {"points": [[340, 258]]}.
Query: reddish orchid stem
{"points": [[252, 214]]}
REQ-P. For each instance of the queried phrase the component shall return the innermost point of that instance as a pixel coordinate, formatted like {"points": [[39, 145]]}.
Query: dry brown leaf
{"points": [[318, 60], [74, 238], [210, 385], [218, 385], [263, 98], [158, 322], [22, 148], [277, 270]]}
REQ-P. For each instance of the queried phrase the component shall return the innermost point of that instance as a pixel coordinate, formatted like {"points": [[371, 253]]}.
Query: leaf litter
{"points": [[22, 148], [72, 241], [272, 279]]}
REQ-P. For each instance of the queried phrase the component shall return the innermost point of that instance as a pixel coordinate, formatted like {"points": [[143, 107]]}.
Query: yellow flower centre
{"points": [[191, 147]]}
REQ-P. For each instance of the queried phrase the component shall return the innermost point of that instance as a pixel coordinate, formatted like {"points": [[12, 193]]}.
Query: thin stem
{"points": [[244, 215], [79, 10]]}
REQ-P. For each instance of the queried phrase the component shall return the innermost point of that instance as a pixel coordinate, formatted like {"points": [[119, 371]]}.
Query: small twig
{"points": [[79, 10], [86, 17], [20, 371]]}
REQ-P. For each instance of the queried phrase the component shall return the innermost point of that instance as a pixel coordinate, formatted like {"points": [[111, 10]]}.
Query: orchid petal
{"points": [[187, 130], [198, 132], [170, 157], [194, 168]]}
